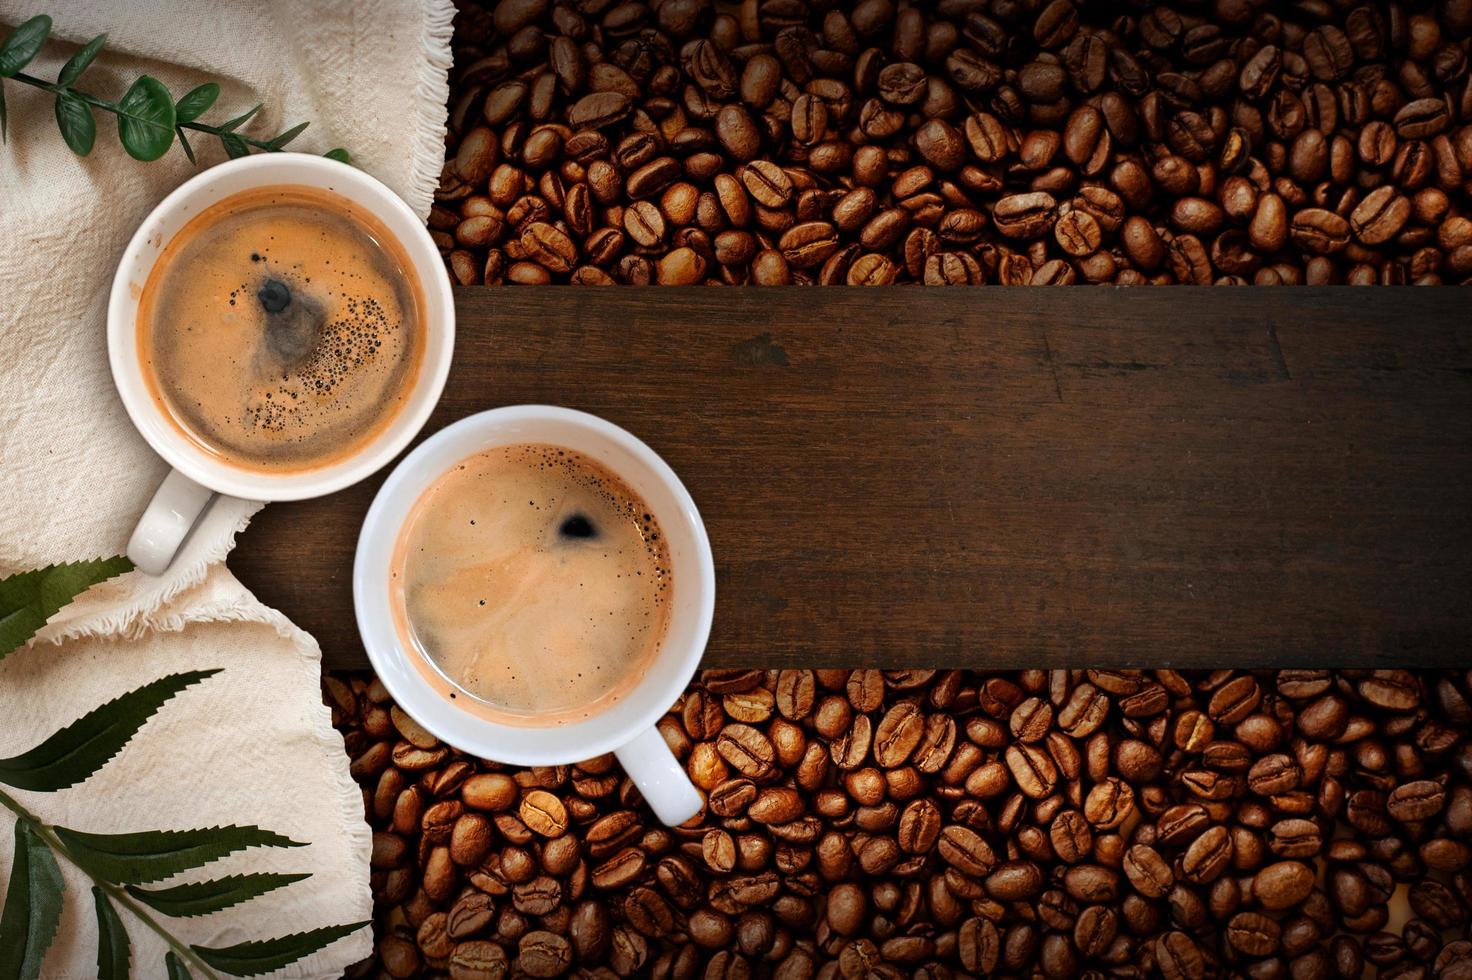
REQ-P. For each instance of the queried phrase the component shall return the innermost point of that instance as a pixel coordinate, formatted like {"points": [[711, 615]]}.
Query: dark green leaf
{"points": [[23, 44], [112, 940], [177, 970], [249, 959], [150, 855], [28, 599], [204, 897], [83, 747], [184, 142], [338, 154], [146, 119], [287, 136], [78, 62], [78, 127], [196, 102], [230, 125], [32, 906], [234, 145], [17, 627]]}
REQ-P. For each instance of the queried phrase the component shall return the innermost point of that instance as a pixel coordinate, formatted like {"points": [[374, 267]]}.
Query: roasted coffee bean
{"points": [[1436, 903], [1032, 769], [1320, 232], [1147, 871], [1208, 856], [809, 122], [543, 954], [1025, 216], [919, 826], [898, 735], [885, 228], [1421, 119], [747, 750], [598, 110], [937, 742], [1014, 881], [795, 693], [1380, 216], [902, 83], [737, 133], [644, 224], [652, 178], [941, 145], [1254, 934], [543, 813], [620, 869], [767, 183], [1109, 804], [469, 916], [964, 849], [1284, 884], [539, 896], [470, 839], [1078, 233], [1418, 800], [1392, 690], [1273, 774]]}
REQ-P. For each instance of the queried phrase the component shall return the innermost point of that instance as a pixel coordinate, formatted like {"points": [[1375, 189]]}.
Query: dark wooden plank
{"points": [[999, 477]]}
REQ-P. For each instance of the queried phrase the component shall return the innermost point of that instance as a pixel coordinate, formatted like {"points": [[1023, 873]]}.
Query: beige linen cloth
{"points": [[253, 744]]}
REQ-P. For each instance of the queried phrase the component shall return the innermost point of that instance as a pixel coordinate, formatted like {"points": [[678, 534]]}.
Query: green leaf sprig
{"points": [[148, 117], [120, 864]]}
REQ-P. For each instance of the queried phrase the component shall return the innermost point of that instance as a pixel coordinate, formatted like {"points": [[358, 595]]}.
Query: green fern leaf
{"points": [[112, 940], [85, 746], [29, 599], [204, 897], [32, 907], [176, 970], [250, 959], [152, 855]]}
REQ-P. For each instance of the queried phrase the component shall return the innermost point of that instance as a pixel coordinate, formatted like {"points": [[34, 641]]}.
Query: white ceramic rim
{"points": [[690, 557], [205, 189]]}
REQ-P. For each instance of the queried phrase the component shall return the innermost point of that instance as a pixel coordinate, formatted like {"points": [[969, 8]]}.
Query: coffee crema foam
{"points": [[534, 582], [282, 329]]}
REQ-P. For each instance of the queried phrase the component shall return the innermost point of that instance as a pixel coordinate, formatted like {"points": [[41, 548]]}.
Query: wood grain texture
{"points": [[1003, 478]]}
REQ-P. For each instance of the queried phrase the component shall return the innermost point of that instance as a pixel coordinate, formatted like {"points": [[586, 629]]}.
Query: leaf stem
{"points": [[118, 895], [217, 131], [117, 110], [21, 76]]}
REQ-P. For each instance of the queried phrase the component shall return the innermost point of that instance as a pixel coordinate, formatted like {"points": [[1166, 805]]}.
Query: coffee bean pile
{"points": [[936, 824], [958, 142]]}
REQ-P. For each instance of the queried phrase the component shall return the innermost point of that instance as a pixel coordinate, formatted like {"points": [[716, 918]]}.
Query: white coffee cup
{"points": [[197, 474], [626, 728]]}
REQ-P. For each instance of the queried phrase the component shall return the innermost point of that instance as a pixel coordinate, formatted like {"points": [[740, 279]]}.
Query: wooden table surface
{"points": [[1003, 477]]}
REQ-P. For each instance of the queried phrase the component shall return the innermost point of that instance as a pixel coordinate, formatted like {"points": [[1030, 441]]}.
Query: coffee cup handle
{"points": [[175, 506], [660, 777]]}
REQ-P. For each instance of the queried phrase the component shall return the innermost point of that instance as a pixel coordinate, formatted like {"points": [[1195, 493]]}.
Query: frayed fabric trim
{"points": [[131, 606], [431, 97]]}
